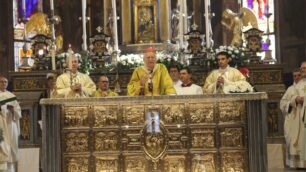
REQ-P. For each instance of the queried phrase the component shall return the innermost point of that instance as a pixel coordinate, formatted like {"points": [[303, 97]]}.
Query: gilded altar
{"points": [[164, 133]]}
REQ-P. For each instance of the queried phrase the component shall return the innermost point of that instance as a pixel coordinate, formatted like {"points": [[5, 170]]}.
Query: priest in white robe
{"points": [[298, 102], [10, 113], [187, 87], [293, 125], [74, 84], [223, 77]]}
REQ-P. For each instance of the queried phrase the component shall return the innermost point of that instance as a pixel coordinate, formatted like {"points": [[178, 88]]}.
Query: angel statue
{"points": [[237, 22], [231, 21]]}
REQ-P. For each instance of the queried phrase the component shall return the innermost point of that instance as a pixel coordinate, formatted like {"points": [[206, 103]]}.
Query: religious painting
{"points": [[145, 12]]}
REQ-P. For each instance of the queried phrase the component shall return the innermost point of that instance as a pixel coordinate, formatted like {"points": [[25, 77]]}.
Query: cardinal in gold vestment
{"points": [[150, 79]]}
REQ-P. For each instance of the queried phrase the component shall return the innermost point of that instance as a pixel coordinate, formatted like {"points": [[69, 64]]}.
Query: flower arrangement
{"points": [[238, 87], [238, 57], [130, 61], [125, 62]]}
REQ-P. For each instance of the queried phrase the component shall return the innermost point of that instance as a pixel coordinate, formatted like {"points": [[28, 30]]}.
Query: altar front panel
{"points": [[108, 134]]}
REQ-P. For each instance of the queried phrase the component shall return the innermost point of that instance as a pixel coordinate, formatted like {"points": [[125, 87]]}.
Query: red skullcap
{"points": [[149, 50]]}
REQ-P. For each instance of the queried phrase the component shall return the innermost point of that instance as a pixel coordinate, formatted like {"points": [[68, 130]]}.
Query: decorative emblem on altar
{"points": [[253, 37], [154, 137], [40, 55], [145, 12], [195, 41]]}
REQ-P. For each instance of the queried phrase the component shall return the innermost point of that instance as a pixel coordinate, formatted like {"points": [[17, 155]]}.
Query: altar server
{"points": [[174, 73], [10, 113], [187, 87], [223, 76], [74, 84], [150, 79], [293, 125]]}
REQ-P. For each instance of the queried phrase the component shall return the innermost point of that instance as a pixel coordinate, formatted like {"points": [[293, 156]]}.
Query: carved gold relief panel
{"points": [[205, 162], [106, 140], [232, 111], [106, 164], [233, 161], [76, 164], [105, 116], [201, 113], [131, 140], [76, 141], [178, 138], [232, 137], [267, 76], [174, 163], [174, 114], [25, 124], [203, 138], [76, 116], [29, 84], [136, 164], [133, 115]]}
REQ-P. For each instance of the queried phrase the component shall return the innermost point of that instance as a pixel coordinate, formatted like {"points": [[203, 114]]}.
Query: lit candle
{"points": [[24, 7], [207, 24], [185, 15], [181, 24], [51, 5], [84, 4], [115, 36]]}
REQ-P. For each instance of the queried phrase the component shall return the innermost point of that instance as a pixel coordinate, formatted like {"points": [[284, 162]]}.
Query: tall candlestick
{"points": [[84, 4], [53, 59], [185, 14], [51, 5], [24, 8], [181, 23], [115, 34], [208, 31]]}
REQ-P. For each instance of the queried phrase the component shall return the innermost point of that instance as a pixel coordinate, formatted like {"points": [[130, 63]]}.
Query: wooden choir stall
{"points": [[211, 133]]}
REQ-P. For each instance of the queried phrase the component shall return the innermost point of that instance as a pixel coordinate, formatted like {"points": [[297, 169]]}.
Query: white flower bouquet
{"points": [[238, 87]]}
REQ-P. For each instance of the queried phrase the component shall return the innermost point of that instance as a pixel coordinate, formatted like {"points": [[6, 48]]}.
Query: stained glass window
{"points": [[31, 7], [264, 11]]}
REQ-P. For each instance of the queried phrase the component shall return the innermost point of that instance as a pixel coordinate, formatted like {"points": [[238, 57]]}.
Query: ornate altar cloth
{"points": [[163, 133]]}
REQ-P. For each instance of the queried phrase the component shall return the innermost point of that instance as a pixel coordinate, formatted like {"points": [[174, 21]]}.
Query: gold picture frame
{"points": [[145, 21]]}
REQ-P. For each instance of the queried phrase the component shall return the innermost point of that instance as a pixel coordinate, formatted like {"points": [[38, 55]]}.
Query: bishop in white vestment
{"points": [[74, 84]]}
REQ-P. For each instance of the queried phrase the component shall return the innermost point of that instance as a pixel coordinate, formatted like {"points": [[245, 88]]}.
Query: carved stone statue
{"points": [[175, 24]]}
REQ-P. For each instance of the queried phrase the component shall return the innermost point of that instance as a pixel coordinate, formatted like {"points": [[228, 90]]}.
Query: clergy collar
{"points": [[224, 70], [144, 67], [186, 85]]}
